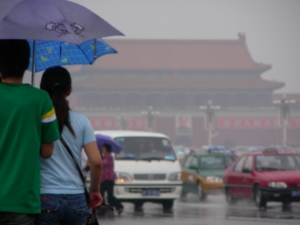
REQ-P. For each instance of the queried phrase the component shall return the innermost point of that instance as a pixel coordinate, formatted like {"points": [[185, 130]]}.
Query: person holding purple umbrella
{"points": [[103, 139], [108, 178]]}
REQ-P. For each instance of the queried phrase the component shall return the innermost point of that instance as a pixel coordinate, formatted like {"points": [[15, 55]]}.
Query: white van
{"points": [[147, 169]]}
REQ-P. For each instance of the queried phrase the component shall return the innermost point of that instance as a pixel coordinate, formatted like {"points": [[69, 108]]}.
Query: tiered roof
{"points": [[178, 57], [206, 55], [178, 83]]}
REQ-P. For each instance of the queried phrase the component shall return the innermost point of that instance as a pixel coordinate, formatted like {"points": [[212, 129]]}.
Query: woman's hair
{"points": [[107, 147], [57, 82]]}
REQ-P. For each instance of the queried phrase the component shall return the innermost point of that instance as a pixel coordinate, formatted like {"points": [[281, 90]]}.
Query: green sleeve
{"points": [[50, 131]]}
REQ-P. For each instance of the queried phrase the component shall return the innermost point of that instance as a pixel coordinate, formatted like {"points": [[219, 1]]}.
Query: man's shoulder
{"points": [[35, 92]]}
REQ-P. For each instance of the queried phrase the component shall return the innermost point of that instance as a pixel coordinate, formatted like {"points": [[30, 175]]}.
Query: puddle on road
{"points": [[269, 213], [215, 208], [247, 209]]}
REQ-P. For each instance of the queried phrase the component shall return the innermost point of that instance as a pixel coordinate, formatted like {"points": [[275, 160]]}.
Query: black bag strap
{"points": [[87, 196]]}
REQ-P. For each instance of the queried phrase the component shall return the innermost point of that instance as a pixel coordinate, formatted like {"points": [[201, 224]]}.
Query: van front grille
{"points": [[140, 190], [156, 176]]}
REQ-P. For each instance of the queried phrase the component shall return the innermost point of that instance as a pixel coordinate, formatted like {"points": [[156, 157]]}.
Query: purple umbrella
{"points": [[51, 20], [103, 139]]}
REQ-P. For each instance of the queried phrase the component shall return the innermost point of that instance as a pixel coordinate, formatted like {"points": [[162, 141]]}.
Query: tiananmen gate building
{"points": [[176, 77]]}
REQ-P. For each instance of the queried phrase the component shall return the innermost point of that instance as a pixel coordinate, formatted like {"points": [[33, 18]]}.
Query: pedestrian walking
{"points": [[62, 190], [28, 129], [108, 178]]}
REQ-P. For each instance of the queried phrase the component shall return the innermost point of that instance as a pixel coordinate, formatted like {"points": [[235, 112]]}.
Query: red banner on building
{"points": [[137, 123], [228, 123], [107, 123], [295, 122], [104, 123]]}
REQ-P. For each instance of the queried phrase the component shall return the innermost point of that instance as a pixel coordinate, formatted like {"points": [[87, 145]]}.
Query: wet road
{"points": [[213, 211]]}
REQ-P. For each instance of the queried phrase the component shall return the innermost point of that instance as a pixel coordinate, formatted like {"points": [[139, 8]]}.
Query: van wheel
{"points": [[229, 199], [259, 198], [286, 206], [138, 205], [202, 196], [167, 204]]}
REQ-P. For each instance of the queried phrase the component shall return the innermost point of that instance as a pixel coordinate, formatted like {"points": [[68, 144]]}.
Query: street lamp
{"points": [[123, 121], [210, 117], [150, 117], [284, 116]]}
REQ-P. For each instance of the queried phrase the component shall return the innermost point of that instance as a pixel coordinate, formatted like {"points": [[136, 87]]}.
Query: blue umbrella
{"points": [[103, 139], [55, 53]]}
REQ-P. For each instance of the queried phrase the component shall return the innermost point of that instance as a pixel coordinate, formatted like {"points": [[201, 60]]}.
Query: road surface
{"points": [[211, 212]]}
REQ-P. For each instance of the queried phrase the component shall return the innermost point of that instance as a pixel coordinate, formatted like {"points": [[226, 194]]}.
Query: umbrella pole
{"points": [[33, 63], [95, 49]]}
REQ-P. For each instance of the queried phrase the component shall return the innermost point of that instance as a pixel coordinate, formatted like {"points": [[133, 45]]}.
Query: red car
{"points": [[265, 176]]}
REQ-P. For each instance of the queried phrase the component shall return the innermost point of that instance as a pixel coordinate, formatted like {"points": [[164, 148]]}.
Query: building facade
{"points": [[175, 78]]}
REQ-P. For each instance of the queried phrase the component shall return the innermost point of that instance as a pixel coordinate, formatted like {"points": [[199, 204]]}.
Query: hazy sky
{"points": [[271, 26]]}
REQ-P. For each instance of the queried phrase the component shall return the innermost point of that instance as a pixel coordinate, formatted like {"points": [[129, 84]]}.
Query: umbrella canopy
{"points": [[55, 53], [51, 20], [103, 139], [55, 20]]}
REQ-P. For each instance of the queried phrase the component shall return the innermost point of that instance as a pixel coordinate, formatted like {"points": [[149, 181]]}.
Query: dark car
{"points": [[202, 173], [265, 176]]}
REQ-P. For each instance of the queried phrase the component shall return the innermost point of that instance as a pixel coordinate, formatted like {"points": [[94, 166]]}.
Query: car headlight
{"points": [[274, 184], [214, 179], [175, 176], [122, 177]]}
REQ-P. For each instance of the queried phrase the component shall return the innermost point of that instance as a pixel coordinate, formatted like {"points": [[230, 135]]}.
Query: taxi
{"points": [[202, 173], [270, 175]]}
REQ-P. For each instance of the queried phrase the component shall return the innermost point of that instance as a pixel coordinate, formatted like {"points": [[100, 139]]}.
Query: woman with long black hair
{"points": [[62, 190]]}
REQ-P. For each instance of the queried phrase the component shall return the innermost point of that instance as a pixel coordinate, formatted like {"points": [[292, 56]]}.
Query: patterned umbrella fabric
{"points": [[51, 20], [55, 53]]}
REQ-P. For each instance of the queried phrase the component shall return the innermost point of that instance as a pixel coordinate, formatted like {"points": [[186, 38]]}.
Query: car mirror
{"points": [[193, 167], [246, 170]]}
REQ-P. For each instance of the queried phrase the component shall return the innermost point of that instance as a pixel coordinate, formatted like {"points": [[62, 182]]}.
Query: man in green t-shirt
{"points": [[28, 128]]}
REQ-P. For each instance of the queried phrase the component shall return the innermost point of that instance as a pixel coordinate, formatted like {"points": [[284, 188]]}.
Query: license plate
{"points": [[152, 192], [295, 193]]}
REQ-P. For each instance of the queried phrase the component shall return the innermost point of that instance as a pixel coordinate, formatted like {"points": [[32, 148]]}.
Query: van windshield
{"points": [[145, 148]]}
